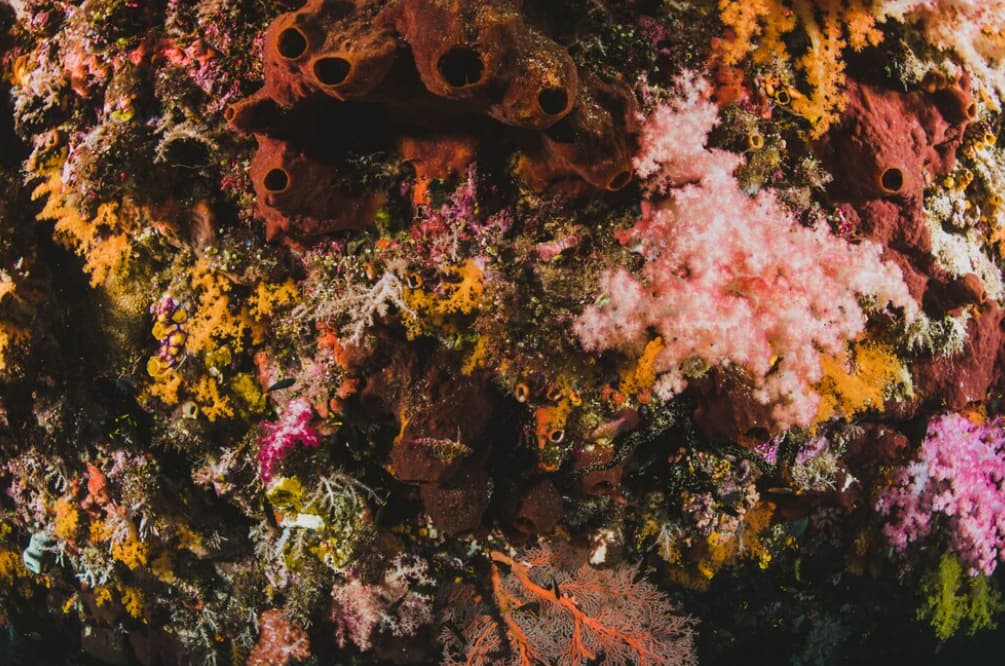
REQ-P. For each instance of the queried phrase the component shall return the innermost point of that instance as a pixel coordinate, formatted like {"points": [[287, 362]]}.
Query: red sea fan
{"points": [[547, 612]]}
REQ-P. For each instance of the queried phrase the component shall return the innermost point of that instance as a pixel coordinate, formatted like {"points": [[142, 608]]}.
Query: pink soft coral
{"points": [[293, 426], [733, 279], [279, 641], [959, 473]]}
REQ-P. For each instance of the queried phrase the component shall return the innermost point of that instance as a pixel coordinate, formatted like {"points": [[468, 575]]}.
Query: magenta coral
{"points": [[960, 474], [733, 279], [293, 426]]}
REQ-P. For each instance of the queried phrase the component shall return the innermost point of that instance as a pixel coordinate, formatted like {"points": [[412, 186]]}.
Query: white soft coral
{"points": [[732, 279]]}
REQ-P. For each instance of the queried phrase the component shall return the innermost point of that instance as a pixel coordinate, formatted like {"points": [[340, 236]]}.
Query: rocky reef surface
{"points": [[509, 332]]}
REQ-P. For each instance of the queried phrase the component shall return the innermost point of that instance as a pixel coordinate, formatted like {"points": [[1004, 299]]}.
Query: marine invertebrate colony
{"points": [[470, 59], [959, 474], [444, 331], [722, 282]]}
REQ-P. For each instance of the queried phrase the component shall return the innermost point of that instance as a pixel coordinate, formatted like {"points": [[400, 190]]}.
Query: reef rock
{"points": [[414, 69]]}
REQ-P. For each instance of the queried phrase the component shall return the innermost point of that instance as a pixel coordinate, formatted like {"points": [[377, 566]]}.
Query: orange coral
{"points": [[67, 522], [211, 323], [638, 379], [459, 292], [858, 381], [212, 404], [11, 334], [578, 616], [104, 241], [757, 28]]}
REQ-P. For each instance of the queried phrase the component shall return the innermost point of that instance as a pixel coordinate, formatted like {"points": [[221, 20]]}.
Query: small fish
{"points": [[281, 384], [270, 514]]}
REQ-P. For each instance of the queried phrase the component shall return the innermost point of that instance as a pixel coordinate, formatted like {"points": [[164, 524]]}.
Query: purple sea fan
{"points": [[959, 473], [293, 426]]}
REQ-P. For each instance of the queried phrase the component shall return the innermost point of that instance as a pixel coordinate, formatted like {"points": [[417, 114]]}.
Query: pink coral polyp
{"points": [[733, 279], [293, 426], [960, 474]]}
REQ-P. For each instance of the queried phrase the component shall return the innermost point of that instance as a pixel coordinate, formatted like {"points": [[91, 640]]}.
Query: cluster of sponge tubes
{"points": [[336, 71]]}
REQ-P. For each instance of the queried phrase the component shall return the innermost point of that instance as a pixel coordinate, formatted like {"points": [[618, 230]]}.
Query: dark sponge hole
{"points": [[620, 180], [892, 180], [276, 180], [461, 66], [292, 43], [562, 131], [552, 100], [332, 71]]}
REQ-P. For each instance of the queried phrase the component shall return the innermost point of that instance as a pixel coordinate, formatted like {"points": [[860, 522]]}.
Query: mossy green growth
{"points": [[952, 599]]}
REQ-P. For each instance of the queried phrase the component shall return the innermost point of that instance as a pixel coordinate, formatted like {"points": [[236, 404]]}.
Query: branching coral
{"points": [[959, 474], [733, 279], [293, 427], [548, 613], [829, 25], [279, 642], [952, 600], [397, 606]]}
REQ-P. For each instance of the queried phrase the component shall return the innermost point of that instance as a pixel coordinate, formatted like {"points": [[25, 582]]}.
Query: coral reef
{"points": [[443, 331], [418, 69], [959, 474]]}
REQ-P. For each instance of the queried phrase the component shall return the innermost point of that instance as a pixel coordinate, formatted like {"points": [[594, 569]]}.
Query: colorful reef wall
{"points": [[502, 332]]}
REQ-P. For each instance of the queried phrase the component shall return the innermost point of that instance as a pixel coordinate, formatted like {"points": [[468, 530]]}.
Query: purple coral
{"points": [[293, 426], [959, 473]]}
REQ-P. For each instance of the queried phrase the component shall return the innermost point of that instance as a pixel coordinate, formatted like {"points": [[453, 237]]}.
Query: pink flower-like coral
{"points": [[959, 473], [733, 279], [293, 426], [279, 641]]}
